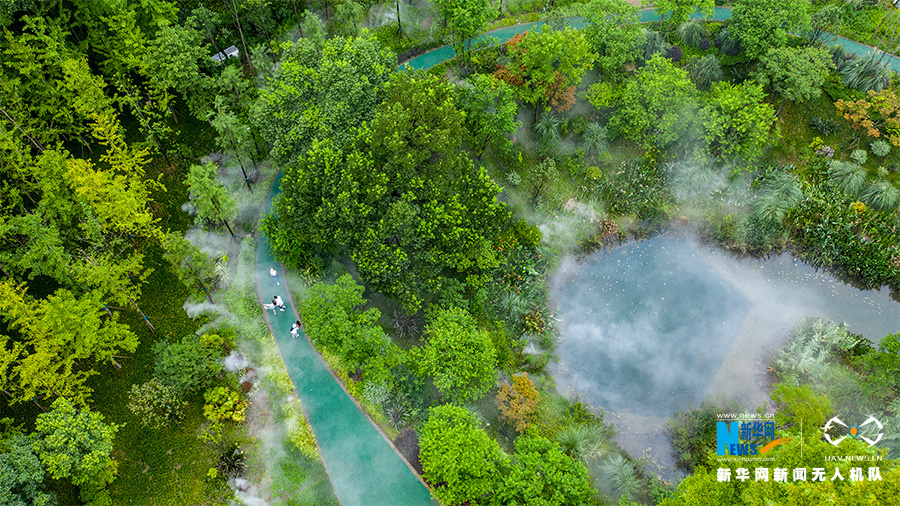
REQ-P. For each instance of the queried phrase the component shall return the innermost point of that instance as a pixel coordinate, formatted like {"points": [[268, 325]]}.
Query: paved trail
{"points": [[445, 53], [364, 467]]}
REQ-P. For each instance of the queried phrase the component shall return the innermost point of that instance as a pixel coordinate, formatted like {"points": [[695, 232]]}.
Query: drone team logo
{"points": [[854, 431]]}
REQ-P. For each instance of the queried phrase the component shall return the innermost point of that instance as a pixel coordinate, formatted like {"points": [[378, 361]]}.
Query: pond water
{"points": [[654, 327]]}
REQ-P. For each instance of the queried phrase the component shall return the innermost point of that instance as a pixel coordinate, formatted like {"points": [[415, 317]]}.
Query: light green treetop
{"points": [[458, 355]]}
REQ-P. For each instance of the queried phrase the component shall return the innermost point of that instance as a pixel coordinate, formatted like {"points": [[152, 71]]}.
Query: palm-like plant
{"points": [[581, 441], [547, 129], [705, 71], [728, 43], [596, 139], [692, 32], [654, 43], [847, 176], [881, 196], [865, 74], [618, 476], [777, 195]]}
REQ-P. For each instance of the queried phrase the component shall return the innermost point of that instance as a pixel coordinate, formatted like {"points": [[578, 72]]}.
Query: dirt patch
{"points": [[407, 443]]}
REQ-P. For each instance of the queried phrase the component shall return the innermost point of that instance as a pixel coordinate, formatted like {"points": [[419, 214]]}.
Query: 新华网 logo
{"points": [[854, 431], [746, 438]]}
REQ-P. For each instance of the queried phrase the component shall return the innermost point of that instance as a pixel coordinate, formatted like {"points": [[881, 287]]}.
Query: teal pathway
{"points": [[444, 53], [364, 468]]}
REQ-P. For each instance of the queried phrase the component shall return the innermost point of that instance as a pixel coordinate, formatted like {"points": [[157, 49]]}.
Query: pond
{"points": [[653, 327]]}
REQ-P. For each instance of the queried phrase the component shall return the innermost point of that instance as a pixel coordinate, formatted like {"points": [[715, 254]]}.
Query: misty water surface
{"points": [[654, 327]]}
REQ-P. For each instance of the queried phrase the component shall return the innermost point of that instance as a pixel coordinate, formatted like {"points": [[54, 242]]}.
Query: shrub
{"points": [[224, 404], [705, 71], [518, 402], [654, 43], [187, 365], [675, 54], [859, 156], [692, 32], [705, 44], [880, 148], [155, 405], [513, 179], [824, 126]]}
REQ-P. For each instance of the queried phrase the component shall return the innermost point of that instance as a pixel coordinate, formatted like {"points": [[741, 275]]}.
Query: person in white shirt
{"points": [[279, 302]]}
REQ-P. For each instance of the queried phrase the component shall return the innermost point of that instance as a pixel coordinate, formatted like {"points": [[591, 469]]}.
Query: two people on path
{"points": [[277, 302]]}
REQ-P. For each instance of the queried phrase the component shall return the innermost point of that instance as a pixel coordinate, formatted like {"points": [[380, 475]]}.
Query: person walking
{"points": [[274, 274], [295, 329], [279, 302]]}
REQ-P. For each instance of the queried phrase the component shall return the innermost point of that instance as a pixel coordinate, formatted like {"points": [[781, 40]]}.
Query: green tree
{"points": [[656, 106], [762, 24], [465, 19], [491, 110], [458, 355], [188, 365], [823, 22], [76, 445], [680, 11], [546, 67], [176, 57], [738, 121], [53, 341], [613, 32], [191, 266], [795, 73], [21, 472], [321, 94], [234, 137], [408, 204], [800, 402], [458, 457], [334, 321], [542, 475], [213, 202]]}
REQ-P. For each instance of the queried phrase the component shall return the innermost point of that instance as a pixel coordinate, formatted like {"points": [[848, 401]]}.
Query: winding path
{"points": [[363, 465], [444, 53]]}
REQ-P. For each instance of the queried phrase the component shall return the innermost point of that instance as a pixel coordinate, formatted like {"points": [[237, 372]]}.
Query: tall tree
{"points": [[679, 11], [656, 106], [77, 445], [613, 32], [427, 212], [465, 19], [458, 355], [51, 343], [213, 202], [21, 472], [491, 110], [458, 457], [796, 74], [175, 59], [321, 94], [546, 67], [738, 122], [542, 474], [761, 24], [335, 321], [191, 266]]}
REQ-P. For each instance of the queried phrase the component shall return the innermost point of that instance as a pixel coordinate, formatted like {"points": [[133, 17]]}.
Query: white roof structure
{"points": [[230, 52]]}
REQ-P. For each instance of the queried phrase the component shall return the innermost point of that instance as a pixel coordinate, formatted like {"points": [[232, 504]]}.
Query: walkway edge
{"points": [[359, 406], [259, 298]]}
